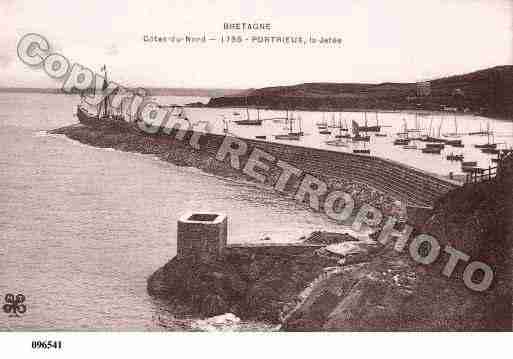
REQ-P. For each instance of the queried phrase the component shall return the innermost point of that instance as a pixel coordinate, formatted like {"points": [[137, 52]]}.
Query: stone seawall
{"points": [[399, 181], [368, 179]]}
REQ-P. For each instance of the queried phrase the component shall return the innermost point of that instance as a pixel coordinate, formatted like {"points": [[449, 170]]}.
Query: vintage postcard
{"points": [[255, 166]]}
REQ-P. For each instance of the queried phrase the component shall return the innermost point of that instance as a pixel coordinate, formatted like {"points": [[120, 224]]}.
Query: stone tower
{"points": [[202, 236]]}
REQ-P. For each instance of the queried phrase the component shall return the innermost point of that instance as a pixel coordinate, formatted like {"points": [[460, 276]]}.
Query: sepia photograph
{"points": [[255, 166]]}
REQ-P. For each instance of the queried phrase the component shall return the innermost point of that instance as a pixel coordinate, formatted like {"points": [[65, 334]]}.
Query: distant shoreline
{"points": [[181, 92], [484, 92]]}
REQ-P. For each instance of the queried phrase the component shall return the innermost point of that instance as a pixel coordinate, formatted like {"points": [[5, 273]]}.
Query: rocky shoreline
{"points": [[343, 284]]}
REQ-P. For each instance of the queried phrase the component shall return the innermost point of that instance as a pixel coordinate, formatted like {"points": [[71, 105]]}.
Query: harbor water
{"points": [[82, 228]]}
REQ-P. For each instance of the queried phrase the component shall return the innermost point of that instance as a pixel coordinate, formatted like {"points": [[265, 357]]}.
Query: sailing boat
{"points": [[366, 128], [411, 146], [436, 137], [299, 121], [323, 124], [104, 112], [417, 128], [341, 139], [437, 146], [488, 144], [342, 129], [454, 134], [379, 134], [481, 132], [248, 121], [363, 150], [332, 121], [403, 138], [292, 136], [433, 148], [357, 136]]}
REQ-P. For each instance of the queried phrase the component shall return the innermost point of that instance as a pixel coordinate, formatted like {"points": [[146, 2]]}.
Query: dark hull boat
{"points": [[432, 150], [486, 145], [90, 119], [87, 118], [367, 128], [288, 137], [478, 133], [401, 142], [435, 145], [337, 143], [362, 151], [433, 139], [370, 128], [492, 151], [249, 122], [361, 138], [454, 143], [292, 135]]}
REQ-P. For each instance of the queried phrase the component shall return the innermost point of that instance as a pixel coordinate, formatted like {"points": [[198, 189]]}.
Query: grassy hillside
{"points": [[488, 92]]}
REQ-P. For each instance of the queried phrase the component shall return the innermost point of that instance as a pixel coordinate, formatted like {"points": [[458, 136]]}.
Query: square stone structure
{"points": [[202, 235]]}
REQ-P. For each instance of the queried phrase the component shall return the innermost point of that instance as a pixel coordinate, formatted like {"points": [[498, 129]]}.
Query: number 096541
{"points": [[46, 344]]}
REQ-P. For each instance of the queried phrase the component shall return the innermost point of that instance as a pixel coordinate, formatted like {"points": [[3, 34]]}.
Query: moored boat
{"points": [[361, 138], [367, 128], [288, 137], [435, 145], [337, 143], [361, 151], [492, 151], [401, 141], [486, 145], [249, 122], [454, 143], [432, 150]]}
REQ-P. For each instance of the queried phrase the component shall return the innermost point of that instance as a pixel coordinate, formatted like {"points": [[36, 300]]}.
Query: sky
{"points": [[400, 41]]}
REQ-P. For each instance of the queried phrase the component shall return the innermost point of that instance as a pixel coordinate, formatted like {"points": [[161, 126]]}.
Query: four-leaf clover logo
{"points": [[14, 305]]}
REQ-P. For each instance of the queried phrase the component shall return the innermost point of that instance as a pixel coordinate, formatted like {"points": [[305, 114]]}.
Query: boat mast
{"points": [[440, 127], [104, 88], [247, 109]]}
